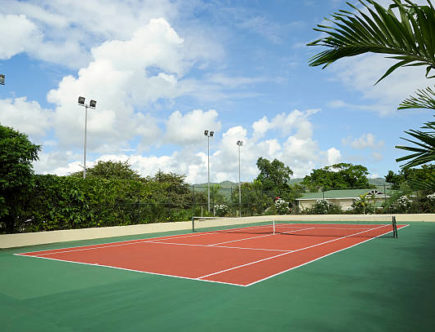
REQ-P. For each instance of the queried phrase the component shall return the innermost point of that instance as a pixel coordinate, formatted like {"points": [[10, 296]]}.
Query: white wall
{"points": [[28, 239]]}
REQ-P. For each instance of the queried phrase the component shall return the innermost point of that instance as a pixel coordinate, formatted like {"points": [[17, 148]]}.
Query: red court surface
{"points": [[240, 257]]}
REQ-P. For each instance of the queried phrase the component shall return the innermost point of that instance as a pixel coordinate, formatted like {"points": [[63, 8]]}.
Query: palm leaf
{"points": [[424, 152], [409, 38], [425, 99]]}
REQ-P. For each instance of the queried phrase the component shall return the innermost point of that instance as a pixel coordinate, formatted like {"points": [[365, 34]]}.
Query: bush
{"points": [[324, 207], [221, 210], [281, 206], [59, 202]]}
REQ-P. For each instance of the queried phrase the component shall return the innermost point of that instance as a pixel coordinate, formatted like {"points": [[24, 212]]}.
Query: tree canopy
{"points": [[417, 178], [338, 176], [16, 173], [274, 177], [111, 170]]}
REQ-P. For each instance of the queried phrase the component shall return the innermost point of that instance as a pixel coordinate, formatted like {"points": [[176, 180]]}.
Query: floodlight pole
{"points": [[92, 104], [208, 134], [86, 137], [239, 144]]}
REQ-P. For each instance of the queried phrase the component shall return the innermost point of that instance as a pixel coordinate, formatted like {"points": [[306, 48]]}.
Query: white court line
{"points": [[211, 246], [287, 253], [248, 238], [255, 237], [132, 270], [318, 258], [126, 243], [196, 279]]}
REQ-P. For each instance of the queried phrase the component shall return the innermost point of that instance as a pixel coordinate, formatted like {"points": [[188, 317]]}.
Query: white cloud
{"points": [[59, 162], [85, 23], [361, 73], [25, 116], [189, 128], [299, 150], [124, 76], [18, 35], [377, 156], [367, 140], [261, 127], [294, 122], [334, 156]]}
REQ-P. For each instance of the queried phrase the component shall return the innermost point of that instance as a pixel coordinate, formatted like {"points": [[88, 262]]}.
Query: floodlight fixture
{"points": [[92, 104], [2, 79], [208, 133]]}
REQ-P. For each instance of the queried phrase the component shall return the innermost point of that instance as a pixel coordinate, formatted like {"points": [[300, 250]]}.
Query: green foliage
{"points": [[364, 204], [60, 202], [274, 178], [418, 199], [323, 207], [216, 196], [338, 176], [16, 175], [282, 206], [408, 38], [419, 179], [111, 170], [425, 99], [423, 151], [254, 200], [221, 210]]}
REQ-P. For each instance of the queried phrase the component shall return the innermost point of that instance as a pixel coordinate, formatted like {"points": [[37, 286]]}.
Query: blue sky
{"points": [[163, 71]]}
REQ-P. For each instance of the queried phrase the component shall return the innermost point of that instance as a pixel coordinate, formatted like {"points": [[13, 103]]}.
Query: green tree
{"points": [[111, 170], [394, 179], [16, 176], [409, 39], [338, 176], [274, 177], [175, 196], [254, 199], [416, 178]]}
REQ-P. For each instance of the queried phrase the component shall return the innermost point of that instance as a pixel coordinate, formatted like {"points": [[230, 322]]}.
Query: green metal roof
{"points": [[340, 194]]}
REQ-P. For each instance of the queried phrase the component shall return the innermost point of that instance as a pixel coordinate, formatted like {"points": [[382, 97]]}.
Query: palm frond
{"points": [[426, 184], [409, 38], [424, 152], [425, 99]]}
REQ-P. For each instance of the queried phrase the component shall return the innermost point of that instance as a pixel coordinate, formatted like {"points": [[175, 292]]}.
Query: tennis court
{"points": [[277, 279], [239, 256]]}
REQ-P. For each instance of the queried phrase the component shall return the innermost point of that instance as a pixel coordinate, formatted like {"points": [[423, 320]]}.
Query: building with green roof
{"points": [[343, 198]]}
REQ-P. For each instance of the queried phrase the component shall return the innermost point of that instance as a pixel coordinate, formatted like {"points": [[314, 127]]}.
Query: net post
{"points": [[273, 223], [395, 233], [193, 224]]}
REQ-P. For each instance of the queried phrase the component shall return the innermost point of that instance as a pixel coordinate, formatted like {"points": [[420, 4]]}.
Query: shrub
{"points": [[324, 207], [282, 206], [221, 210]]}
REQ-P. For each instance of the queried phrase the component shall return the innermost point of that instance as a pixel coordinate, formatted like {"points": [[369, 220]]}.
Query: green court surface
{"points": [[385, 284]]}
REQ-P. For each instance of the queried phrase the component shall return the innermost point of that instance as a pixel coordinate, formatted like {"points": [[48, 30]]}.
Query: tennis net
{"points": [[385, 227]]}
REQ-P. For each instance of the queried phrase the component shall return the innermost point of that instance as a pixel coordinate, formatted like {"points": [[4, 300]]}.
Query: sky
{"points": [[164, 71]]}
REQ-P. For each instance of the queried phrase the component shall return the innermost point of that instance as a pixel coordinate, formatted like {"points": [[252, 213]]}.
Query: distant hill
{"points": [[378, 181], [227, 186]]}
